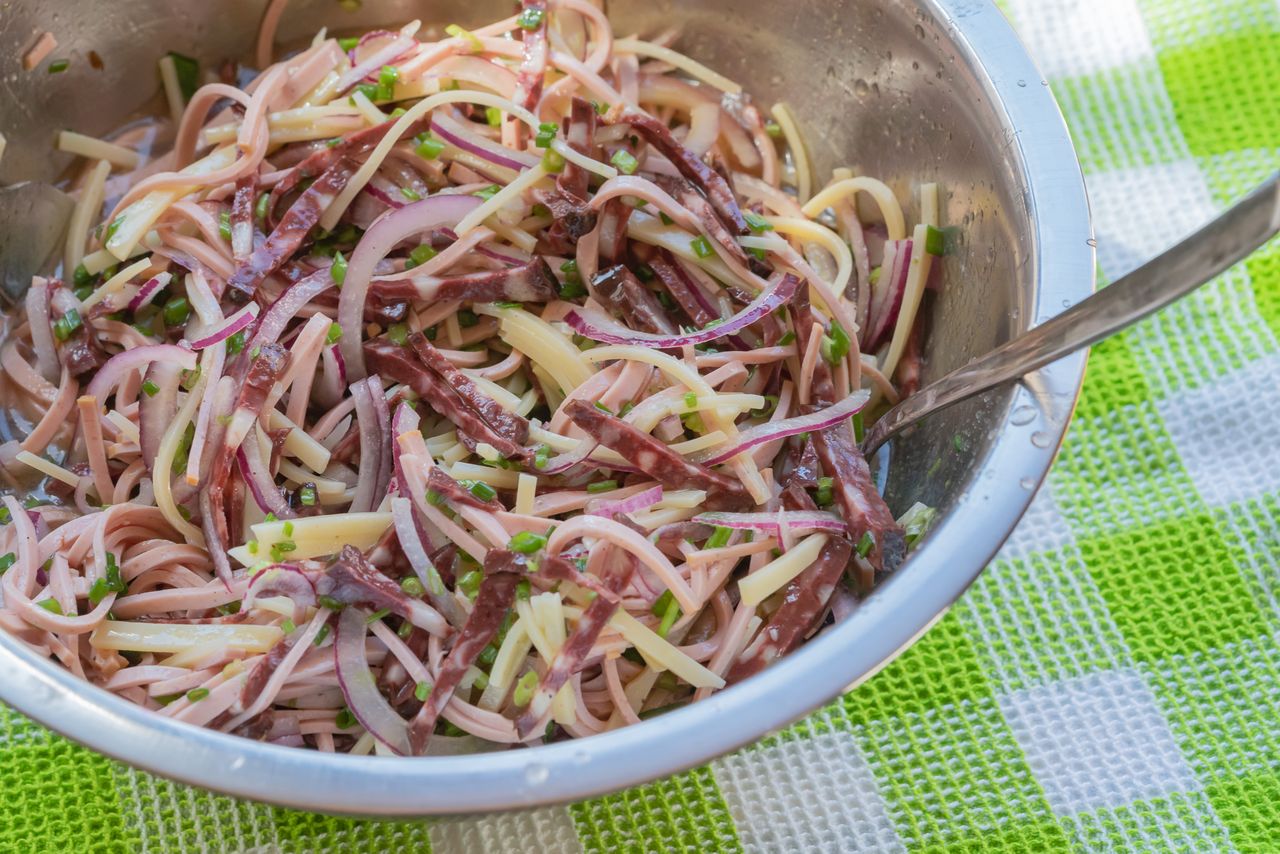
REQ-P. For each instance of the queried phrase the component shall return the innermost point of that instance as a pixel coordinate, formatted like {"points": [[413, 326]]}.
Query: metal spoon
{"points": [[1169, 276]]}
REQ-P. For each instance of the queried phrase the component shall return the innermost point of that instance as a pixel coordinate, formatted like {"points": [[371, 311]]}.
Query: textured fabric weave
{"points": [[1112, 681]]}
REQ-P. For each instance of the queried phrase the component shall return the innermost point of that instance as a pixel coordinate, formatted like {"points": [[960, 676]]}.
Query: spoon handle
{"points": [[1169, 276]]}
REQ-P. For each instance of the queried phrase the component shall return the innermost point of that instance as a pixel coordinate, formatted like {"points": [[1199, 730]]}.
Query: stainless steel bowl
{"points": [[907, 90]]}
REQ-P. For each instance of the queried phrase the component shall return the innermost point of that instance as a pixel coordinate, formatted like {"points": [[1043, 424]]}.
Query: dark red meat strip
{"points": [[400, 365], [803, 603], [656, 459], [531, 282], [497, 592], [681, 289], [613, 230], [568, 202], [294, 227], [353, 580], [622, 291], [690, 166], [863, 509], [512, 427]]}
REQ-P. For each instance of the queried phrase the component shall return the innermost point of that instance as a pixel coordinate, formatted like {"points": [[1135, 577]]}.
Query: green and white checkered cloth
{"points": [[1111, 682]]}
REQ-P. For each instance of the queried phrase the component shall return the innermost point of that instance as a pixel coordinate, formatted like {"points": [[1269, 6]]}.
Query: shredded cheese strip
{"points": [[98, 149], [526, 492], [134, 221], [48, 468], [661, 655], [548, 613], [772, 577], [115, 283], [507, 194], [172, 89], [298, 444], [313, 536], [87, 207], [543, 344], [795, 144], [917, 276], [173, 637], [890, 209]]}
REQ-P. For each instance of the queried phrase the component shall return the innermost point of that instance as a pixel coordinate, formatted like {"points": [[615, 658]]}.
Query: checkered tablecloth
{"points": [[1111, 682]]}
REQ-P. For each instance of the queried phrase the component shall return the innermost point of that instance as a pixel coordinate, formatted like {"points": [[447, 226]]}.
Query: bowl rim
{"points": [[960, 546]]}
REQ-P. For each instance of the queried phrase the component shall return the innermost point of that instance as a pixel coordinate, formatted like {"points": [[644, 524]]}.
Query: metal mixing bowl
{"points": [[907, 90]]}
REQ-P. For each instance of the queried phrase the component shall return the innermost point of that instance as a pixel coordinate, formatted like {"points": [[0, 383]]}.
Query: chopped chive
{"points": [[493, 116], [235, 343], [459, 33], [51, 605], [387, 78], [406, 629], [348, 43], [540, 457], [666, 220], [524, 689], [524, 590], [625, 161], [469, 583], [552, 161], [377, 615], [662, 602], [602, 486], [488, 192], [412, 586], [934, 243], [719, 537], [81, 276], [335, 333], [601, 108], [176, 311], [530, 19], [826, 491], [188, 73], [411, 194], [262, 206], [701, 247], [435, 499], [331, 603], [773, 129], [787, 339], [59, 65], [669, 616], [398, 334], [757, 223], [859, 430], [7, 560], [526, 542], [321, 635], [224, 225], [195, 695], [288, 626], [835, 345], [546, 133], [64, 326], [508, 304], [98, 591], [280, 549], [483, 491], [428, 147], [149, 388], [866, 544], [112, 228], [338, 271], [252, 546], [345, 720], [691, 400], [422, 691], [421, 255]]}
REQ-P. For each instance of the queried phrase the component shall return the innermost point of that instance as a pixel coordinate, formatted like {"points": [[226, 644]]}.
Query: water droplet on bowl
{"points": [[581, 757], [1022, 83], [1024, 414], [1041, 439], [1091, 242], [861, 88], [919, 31], [1027, 483], [535, 773]]}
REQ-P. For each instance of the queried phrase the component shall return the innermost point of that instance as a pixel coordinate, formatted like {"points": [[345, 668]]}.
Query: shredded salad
{"points": [[437, 392]]}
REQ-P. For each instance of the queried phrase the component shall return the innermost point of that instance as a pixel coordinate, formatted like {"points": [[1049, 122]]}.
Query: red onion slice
{"points": [[596, 326], [287, 305], [639, 501], [40, 322], [761, 433], [282, 579], [233, 324], [383, 235], [456, 134], [393, 50], [118, 366], [887, 292], [370, 449], [260, 482], [149, 289], [794, 520], [358, 686]]}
